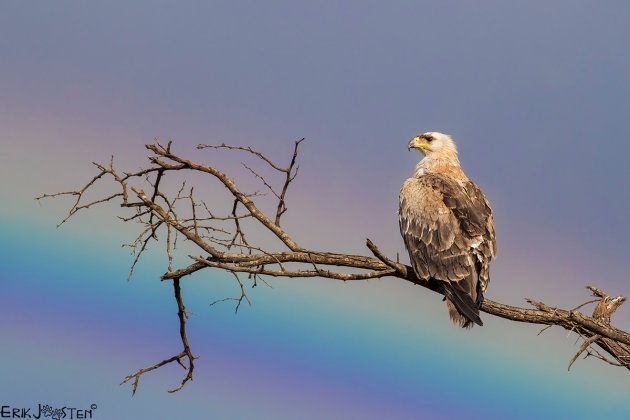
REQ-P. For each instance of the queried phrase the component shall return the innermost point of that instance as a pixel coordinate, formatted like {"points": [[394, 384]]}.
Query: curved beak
{"points": [[417, 143]]}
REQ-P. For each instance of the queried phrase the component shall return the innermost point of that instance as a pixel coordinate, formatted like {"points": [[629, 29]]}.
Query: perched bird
{"points": [[446, 223]]}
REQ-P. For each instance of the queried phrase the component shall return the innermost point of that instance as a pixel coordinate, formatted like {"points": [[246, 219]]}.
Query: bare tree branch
{"points": [[176, 214], [179, 358], [583, 347]]}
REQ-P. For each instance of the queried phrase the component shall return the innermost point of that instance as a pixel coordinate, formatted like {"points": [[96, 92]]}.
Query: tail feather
{"points": [[462, 309]]}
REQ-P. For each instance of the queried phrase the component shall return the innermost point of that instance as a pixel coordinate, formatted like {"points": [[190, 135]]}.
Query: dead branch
{"points": [[179, 358], [181, 215], [582, 348]]}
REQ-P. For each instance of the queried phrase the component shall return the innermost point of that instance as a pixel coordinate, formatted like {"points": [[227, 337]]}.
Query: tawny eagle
{"points": [[446, 223]]}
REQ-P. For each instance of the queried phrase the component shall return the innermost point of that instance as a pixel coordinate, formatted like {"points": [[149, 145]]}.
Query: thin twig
{"points": [[583, 347]]}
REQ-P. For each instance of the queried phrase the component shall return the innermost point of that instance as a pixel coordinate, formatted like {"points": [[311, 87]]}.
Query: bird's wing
{"points": [[431, 230], [474, 214], [438, 245], [443, 219], [470, 206]]}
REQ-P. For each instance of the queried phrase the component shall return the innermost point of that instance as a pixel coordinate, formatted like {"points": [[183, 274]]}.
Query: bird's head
{"points": [[433, 143]]}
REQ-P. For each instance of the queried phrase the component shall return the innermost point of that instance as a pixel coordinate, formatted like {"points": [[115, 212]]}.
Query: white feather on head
{"points": [[440, 154], [440, 143]]}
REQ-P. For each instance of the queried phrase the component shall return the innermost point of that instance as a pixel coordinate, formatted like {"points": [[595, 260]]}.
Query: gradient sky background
{"points": [[537, 94]]}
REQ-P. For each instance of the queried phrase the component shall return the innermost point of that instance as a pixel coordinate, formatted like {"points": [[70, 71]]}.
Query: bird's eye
{"points": [[429, 139]]}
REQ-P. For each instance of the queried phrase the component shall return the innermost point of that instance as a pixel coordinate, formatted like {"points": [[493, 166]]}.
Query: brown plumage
{"points": [[446, 223]]}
